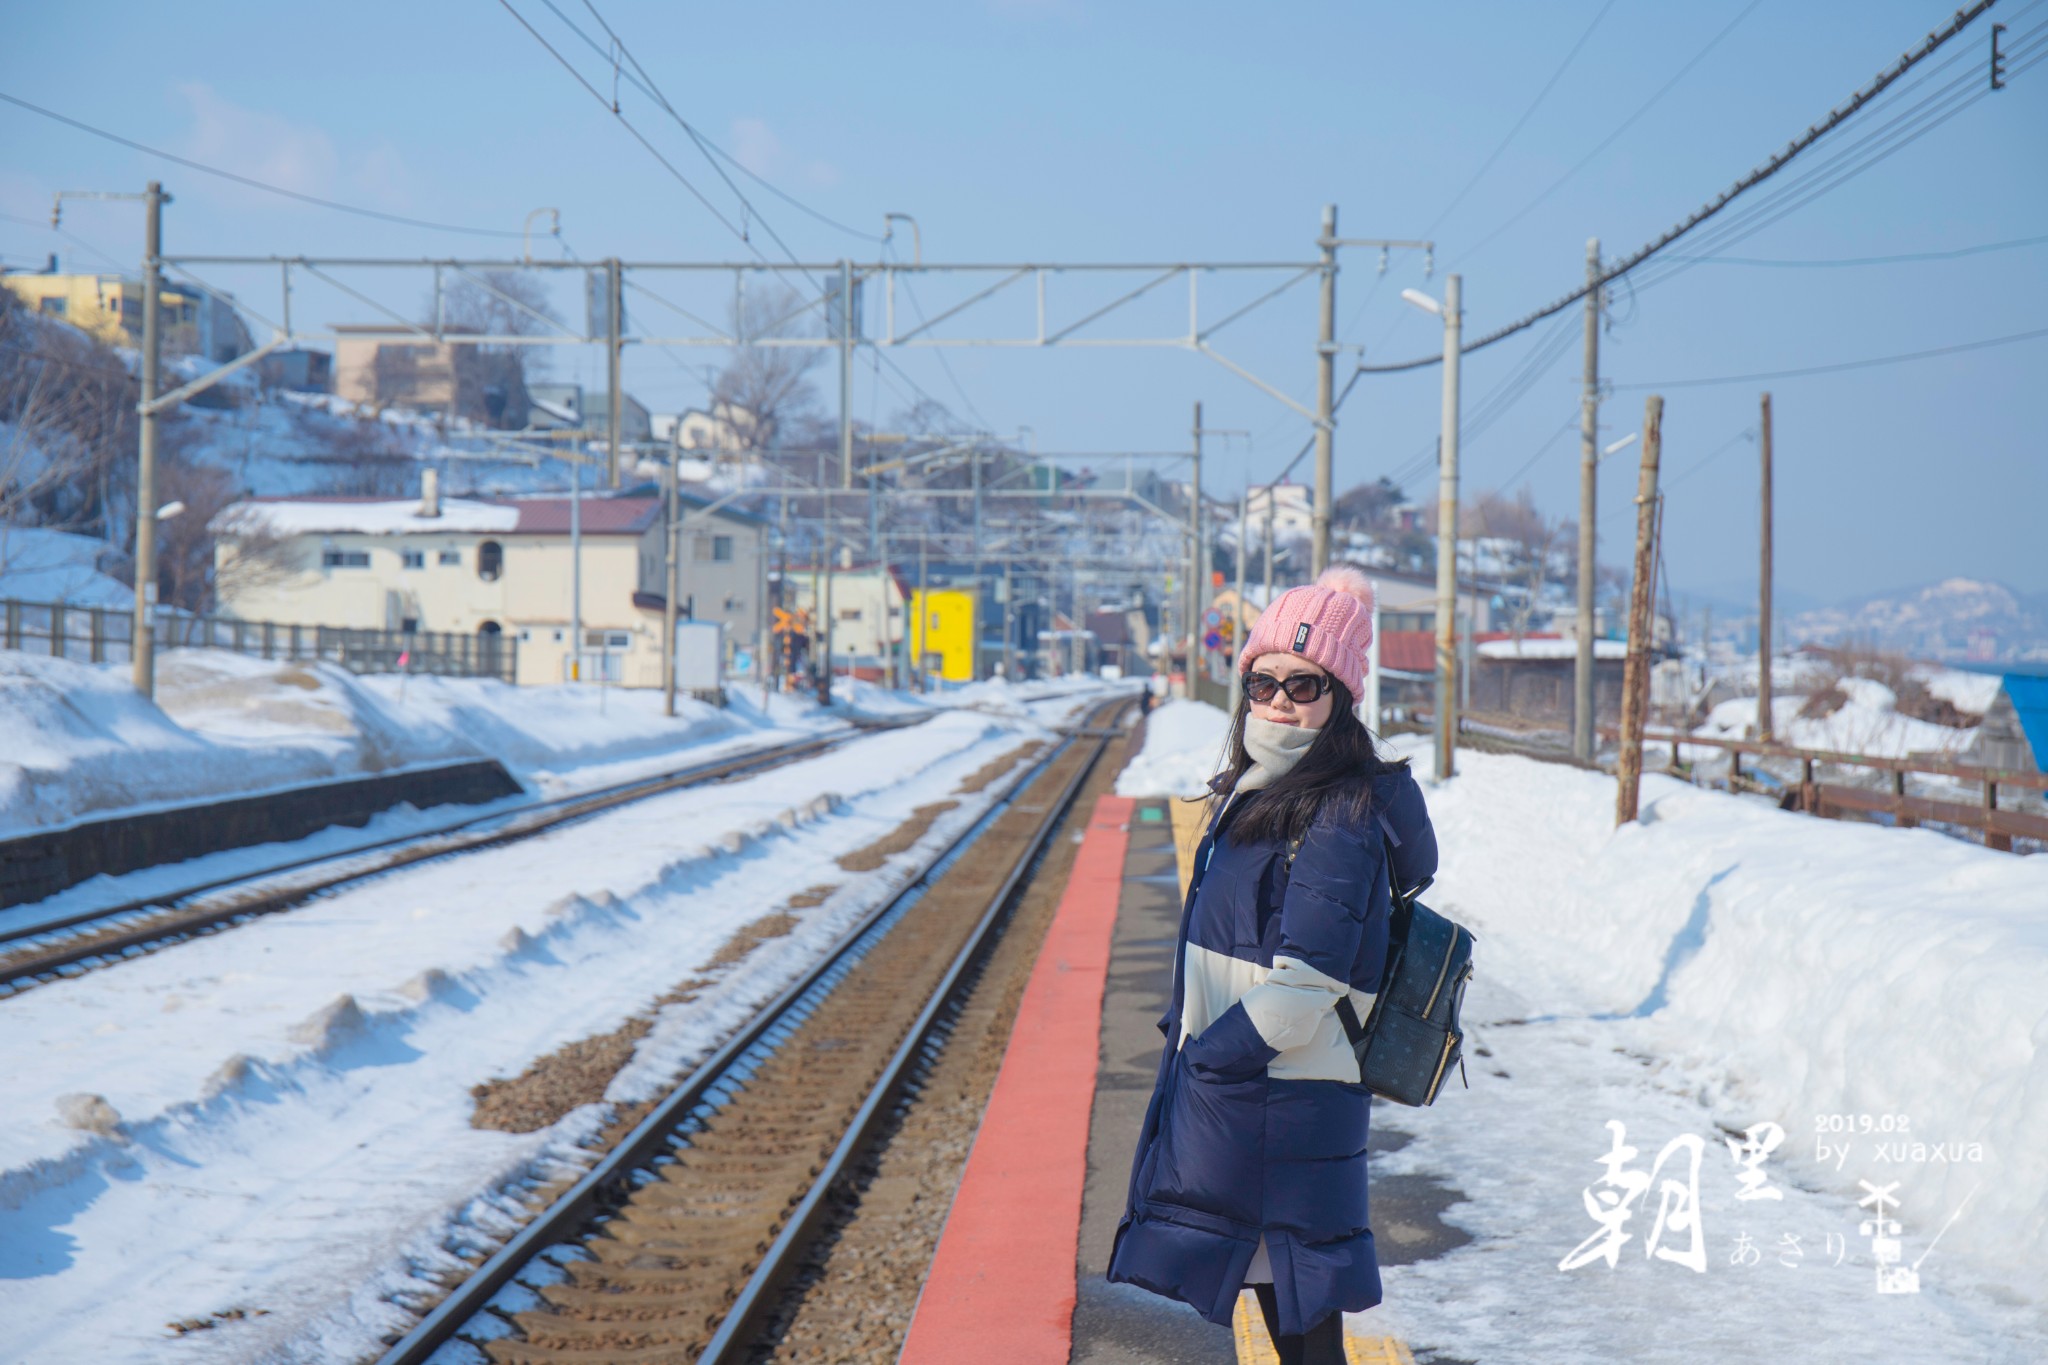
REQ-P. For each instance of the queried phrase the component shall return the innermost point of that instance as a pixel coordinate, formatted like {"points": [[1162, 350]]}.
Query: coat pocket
{"points": [[1209, 1156]]}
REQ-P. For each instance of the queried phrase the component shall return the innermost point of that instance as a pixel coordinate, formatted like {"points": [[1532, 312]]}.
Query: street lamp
{"points": [[1623, 444], [1452, 312]]}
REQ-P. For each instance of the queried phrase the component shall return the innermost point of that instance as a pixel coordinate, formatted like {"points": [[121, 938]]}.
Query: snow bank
{"points": [[1783, 968], [40, 565], [81, 743], [1183, 740], [1964, 688], [1868, 724]]}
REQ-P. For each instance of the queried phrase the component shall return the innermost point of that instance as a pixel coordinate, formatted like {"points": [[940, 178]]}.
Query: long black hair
{"points": [[1335, 775]]}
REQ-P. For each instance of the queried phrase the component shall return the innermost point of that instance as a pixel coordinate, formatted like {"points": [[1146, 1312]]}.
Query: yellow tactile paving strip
{"points": [[1254, 1347]]}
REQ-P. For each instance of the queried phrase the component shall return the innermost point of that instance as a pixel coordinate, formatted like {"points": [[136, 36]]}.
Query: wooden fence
{"points": [[104, 635], [1889, 796]]}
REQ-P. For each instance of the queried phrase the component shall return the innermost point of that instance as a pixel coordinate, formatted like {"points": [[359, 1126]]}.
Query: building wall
{"points": [[416, 374], [867, 610], [1541, 689], [109, 308], [942, 632]]}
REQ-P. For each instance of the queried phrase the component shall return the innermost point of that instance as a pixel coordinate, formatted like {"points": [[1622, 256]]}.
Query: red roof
{"points": [[601, 516]]}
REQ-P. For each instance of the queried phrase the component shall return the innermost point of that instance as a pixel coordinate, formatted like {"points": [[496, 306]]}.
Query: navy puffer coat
{"points": [[1257, 1124]]}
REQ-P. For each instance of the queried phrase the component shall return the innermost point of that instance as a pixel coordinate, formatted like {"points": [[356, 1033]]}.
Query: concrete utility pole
{"points": [[1447, 538], [576, 568], [614, 293], [1196, 575], [1326, 361], [144, 638], [675, 572], [1635, 683], [846, 374], [1763, 647], [1236, 640], [1269, 549], [1584, 723]]}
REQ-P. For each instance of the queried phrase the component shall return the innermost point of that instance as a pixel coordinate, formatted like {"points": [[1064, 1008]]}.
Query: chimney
{"points": [[53, 264], [430, 492]]}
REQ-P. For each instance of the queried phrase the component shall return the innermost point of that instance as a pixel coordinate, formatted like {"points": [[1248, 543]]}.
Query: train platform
{"points": [[1018, 1273]]}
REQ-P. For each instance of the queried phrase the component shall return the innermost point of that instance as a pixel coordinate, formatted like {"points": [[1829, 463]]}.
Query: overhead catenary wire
{"points": [[1838, 262], [1934, 42], [1864, 364], [335, 204], [1621, 128], [1541, 95]]}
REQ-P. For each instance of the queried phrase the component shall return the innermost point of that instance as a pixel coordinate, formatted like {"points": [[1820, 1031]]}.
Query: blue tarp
{"points": [[2030, 699]]}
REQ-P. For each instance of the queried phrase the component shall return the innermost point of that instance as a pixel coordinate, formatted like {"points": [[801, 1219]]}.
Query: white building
{"points": [[494, 568]]}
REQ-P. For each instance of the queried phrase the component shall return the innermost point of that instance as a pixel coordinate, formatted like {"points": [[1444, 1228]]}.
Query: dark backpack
{"points": [[1405, 1049]]}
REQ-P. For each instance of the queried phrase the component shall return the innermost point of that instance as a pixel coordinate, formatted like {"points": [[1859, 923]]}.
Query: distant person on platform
{"points": [[1250, 1170]]}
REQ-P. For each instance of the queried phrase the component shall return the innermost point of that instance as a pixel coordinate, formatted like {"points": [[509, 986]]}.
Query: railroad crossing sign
{"points": [[796, 622]]}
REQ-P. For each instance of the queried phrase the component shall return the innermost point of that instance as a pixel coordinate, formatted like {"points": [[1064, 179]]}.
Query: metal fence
{"points": [[104, 635]]}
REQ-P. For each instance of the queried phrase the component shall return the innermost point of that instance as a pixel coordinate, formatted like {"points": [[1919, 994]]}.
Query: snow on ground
{"points": [[1718, 966], [292, 1097], [81, 743], [1183, 743], [39, 565], [1867, 724], [1967, 689]]}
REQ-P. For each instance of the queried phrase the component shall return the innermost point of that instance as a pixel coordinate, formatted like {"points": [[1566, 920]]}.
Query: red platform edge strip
{"points": [[1003, 1277]]}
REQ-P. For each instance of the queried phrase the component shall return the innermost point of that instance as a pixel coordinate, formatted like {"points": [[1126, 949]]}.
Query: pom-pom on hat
{"points": [[1329, 623]]}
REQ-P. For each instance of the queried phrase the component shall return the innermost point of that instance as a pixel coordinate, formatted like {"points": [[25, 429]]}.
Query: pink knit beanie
{"points": [[1329, 623]]}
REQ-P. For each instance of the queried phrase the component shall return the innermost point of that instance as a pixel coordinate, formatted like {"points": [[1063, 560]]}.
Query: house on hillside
{"points": [[566, 407], [725, 428], [191, 321], [495, 568]]}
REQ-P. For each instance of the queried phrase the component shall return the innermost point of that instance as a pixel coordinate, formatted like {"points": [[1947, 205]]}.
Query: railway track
{"points": [[676, 1246], [34, 954]]}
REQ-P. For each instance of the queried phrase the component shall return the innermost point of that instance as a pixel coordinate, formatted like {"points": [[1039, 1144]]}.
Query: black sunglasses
{"points": [[1301, 688]]}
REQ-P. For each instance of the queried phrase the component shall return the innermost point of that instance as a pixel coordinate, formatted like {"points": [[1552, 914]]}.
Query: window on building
{"points": [[490, 561], [450, 557], [721, 549], [56, 307], [409, 625], [607, 639], [849, 613], [413, 559], [344, 559]]}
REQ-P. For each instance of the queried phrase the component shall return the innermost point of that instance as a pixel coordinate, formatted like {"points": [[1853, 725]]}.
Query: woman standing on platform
{"points": [[1251, 1170]]}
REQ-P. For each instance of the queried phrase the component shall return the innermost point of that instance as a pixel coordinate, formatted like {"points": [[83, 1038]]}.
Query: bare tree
{"points": [[68, 408], [765, 392], [1533, 541]]}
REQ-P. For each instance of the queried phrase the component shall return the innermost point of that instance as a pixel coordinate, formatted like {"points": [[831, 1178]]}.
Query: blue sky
{"points": [[1044, 130]]}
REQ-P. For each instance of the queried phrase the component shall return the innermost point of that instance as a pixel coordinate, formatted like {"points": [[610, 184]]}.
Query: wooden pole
{"points": [[1763, 648], [1634, 692]]}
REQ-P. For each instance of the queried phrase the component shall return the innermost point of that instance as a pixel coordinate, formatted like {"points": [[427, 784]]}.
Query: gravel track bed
{"points": [[663, 1270], [853, 1298]]}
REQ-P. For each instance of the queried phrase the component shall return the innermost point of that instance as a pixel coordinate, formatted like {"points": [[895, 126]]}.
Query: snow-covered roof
{"points": [[1550, 649], [368, 516]]}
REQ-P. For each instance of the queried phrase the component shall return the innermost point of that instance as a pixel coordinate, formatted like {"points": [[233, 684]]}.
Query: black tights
{"points": [[1322, 1344]]}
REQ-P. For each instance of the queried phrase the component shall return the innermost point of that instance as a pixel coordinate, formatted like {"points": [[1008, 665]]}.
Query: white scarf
{"points": [[1275, 749]]}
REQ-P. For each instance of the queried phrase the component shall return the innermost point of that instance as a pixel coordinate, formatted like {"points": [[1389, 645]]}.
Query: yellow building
{"points": [[109, 309], [943, 632]]}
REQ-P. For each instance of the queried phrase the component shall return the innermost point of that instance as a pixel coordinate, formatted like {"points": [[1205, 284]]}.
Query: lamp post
{"points": [[1452, 312]]}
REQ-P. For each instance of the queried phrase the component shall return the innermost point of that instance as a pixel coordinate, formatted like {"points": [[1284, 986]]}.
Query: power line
{"points": [[1624, 126], [239, 179], [1845, 364], [1900, 258], [1728, 196], [1541, 95]]}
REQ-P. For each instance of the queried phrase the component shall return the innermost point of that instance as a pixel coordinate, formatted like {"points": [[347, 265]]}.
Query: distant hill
{"points": [[1956, 619]]}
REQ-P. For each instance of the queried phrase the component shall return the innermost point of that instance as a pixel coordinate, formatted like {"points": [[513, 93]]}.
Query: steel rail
{"points": [[415, 848], [609, 1183]]}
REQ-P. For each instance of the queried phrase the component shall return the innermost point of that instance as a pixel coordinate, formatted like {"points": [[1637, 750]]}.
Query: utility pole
{"points": [[1326, 361], [1236, 641], [974, 649], [576, 567], [1196, 576], [614, 293], [675, 572], [1009, 618], [144, 637], [1269, 548], [1584, 726], [1635, 683], [1447, 538], [1763, 649], [845, 374]]}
